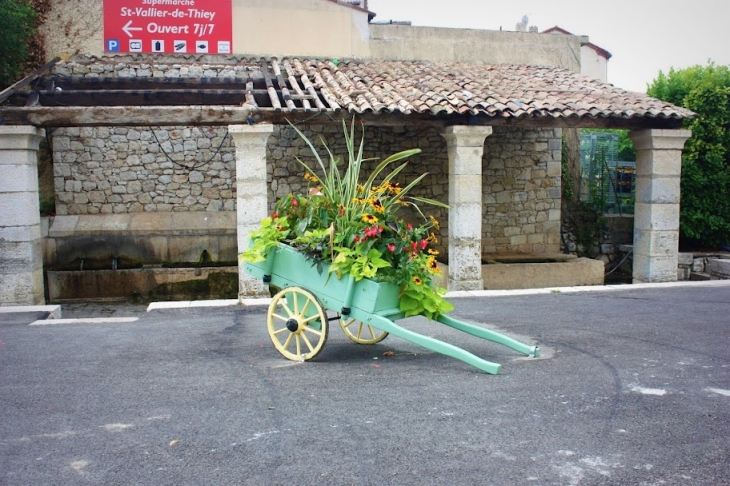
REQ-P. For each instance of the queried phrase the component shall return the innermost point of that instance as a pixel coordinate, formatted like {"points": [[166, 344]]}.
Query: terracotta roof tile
{"points": [[481, 89], [486, 91]]}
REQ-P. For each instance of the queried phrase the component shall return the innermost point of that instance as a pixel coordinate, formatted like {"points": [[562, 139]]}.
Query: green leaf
{"points": [[408, 303]]}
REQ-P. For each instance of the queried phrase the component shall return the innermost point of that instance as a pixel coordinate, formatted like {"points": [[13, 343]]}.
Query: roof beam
{"points": [[215, 115]]}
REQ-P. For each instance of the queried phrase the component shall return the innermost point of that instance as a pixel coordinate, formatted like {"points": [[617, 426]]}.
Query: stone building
{"points": [[175, 158]]}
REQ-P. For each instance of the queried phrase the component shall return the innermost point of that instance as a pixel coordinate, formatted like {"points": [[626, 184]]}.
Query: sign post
{"points": [[168, 26]]}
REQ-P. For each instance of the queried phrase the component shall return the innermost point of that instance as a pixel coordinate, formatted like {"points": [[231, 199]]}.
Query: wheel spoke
{"points": [[306, 341], [279, 331], [299, 346], [287, 309], [362, 333], [372, 332], [280, 317], [310, 319], [304, 309], [288, 341], [313, 331], [296, 303]]}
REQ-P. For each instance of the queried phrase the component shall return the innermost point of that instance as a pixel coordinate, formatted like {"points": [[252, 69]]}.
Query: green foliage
{"points": [[17, 26], [705, 206], [351, 223]]}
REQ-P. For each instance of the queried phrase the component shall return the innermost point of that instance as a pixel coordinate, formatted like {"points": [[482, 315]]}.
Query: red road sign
{"points": [[168, 26]]}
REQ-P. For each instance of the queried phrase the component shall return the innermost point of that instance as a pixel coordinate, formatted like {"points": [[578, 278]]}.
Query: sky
{"points": [[644, 36]]}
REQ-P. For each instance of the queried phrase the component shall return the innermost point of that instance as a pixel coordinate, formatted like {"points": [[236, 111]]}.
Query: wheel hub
{"points": [[292, 325]]}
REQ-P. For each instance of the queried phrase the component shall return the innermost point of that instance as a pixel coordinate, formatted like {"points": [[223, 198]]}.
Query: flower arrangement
{"points": [[353, 226]]}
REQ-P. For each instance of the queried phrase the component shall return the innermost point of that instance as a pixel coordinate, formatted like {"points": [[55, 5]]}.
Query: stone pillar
{"points": [[466, 148], [252, 190], [656, 212], [21, 255]]}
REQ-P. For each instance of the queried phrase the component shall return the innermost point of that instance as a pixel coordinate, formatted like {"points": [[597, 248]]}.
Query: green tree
{"points": [[705, 205], [17, 26]]}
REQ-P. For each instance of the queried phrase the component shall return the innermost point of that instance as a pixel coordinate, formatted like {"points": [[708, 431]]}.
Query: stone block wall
{"points": [[120, 170], [522, 184], [143, 169]]}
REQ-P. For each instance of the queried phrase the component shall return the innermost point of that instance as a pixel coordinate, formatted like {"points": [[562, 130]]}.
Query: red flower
{"points": [[372, 232], [275, 215], [424, 244], [409, 227], [391, 246], [294, 202]]}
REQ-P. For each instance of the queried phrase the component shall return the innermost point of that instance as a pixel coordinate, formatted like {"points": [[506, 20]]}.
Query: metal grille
{"points": [[605, 180]]}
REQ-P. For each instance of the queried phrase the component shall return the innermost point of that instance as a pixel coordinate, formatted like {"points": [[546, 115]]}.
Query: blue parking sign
{"points": [[112, 45]]}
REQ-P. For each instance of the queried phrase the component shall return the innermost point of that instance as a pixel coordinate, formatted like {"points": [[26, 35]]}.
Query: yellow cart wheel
{"points": [[297, 324], [362, 333]]}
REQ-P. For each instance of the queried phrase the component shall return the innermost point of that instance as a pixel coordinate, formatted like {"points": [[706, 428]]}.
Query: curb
{"points": [[464, 294]]}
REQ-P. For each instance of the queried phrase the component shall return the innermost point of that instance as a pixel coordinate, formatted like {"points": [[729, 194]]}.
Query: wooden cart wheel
{"points": [[362, 333], [297, 324]]}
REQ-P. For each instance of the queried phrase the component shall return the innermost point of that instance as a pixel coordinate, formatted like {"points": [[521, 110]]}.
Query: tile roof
{"points": [[497, 91], [428, 92]]}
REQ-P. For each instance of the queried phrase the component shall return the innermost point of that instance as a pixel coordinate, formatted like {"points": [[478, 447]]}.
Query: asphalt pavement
{"points": [[633, 389]]}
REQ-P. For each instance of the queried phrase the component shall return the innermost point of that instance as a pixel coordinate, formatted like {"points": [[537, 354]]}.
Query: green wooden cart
{"points": [[298, 319]]}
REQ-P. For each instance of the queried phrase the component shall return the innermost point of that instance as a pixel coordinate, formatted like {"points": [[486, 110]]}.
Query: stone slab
{"points": [[54, 311], [509, 276], [718, 267]]}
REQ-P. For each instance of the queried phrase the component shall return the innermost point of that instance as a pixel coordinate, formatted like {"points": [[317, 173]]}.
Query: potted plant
{"points": [[350, 224]]}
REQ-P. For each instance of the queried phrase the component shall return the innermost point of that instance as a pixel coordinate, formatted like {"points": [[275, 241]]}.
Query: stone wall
{"points": [[121, 170], [521, 185], [129, 170]]}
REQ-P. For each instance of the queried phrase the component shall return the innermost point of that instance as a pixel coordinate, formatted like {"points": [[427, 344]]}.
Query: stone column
{"points": [[465, 147], [252, 190], [656, 212], [21, 255]]}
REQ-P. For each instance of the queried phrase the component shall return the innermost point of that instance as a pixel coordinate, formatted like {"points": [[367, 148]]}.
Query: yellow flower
{"points": [[432, 239], [434, 222], [310, 177], [394, 188], [433, 265], [417, 280], [369, 218], [376, 205]]}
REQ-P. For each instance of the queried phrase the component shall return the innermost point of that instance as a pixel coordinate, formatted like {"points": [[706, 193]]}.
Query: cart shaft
{"points": [[385, 324]]}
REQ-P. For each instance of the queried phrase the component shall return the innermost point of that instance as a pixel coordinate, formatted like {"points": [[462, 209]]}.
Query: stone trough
{"points": [[505, 272]]}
